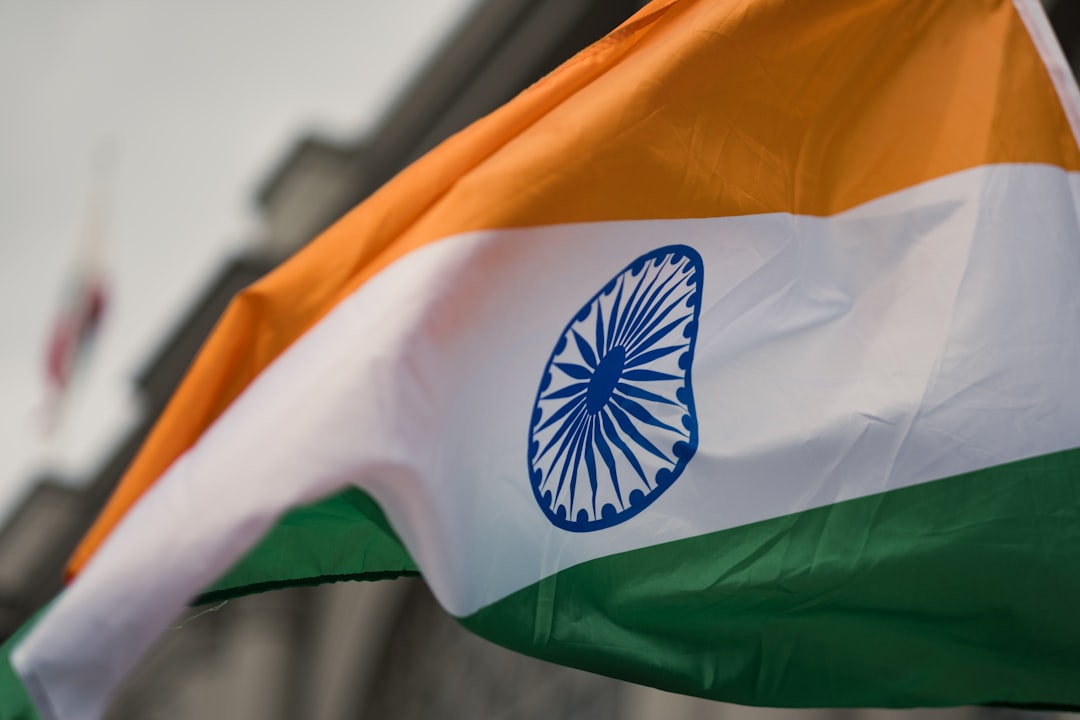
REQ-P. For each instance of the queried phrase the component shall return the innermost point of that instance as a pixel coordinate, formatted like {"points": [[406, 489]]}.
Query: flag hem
{"points": [[215, 596]]}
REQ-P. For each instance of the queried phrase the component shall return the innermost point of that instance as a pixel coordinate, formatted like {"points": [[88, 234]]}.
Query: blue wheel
{"points": [[614, 424]]}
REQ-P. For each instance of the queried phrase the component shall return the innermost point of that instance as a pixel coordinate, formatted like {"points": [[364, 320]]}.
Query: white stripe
{"points": [[1042, 34], [928, 333]]}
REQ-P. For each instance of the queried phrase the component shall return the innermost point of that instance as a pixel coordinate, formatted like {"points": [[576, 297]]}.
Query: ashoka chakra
{"points": [[614, 422]]}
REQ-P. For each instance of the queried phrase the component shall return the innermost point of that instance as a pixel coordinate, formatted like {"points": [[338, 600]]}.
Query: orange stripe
{"points": [[692, 108]]}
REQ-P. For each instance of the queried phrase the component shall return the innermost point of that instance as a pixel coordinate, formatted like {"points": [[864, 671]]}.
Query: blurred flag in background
{"points": [[83, 303]]}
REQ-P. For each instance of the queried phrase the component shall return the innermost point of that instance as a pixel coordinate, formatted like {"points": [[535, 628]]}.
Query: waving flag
{"points": [[737, 357], [74, 332], [82, 309]]}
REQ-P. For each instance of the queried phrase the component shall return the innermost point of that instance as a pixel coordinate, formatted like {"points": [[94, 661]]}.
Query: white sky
{"points": [[201, 98]]}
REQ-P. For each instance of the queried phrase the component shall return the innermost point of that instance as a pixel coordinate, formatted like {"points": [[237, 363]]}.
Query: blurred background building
{"points": [[360, 650]]}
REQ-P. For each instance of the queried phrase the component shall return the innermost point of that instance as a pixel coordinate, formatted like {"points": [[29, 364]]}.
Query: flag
{"points": [[736, 357], [83, 304], [74, 332]]}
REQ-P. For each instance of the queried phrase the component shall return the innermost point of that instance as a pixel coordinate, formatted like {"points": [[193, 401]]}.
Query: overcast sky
{"points": [[200, 99]]}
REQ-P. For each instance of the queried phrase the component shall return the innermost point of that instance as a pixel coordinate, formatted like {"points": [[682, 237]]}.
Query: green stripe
{"points": [[15, 704], [960, 591], [345, 537]]}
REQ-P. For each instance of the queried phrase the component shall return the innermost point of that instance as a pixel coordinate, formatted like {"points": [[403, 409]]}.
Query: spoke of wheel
{"points": [[627, 426], [636, 343], [601, 344], [648, 357], [573, 445], [565, 409], [653, 304], [586, 352], [616, 440], [609, 460], [569, 426], [590, 460], [639, 299], [634, 391], [642, 414], [566, 392], [573, 475], [613, 317]]}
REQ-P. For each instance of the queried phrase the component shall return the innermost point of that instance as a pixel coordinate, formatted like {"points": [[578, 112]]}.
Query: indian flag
{"points": [[738, 357]]}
